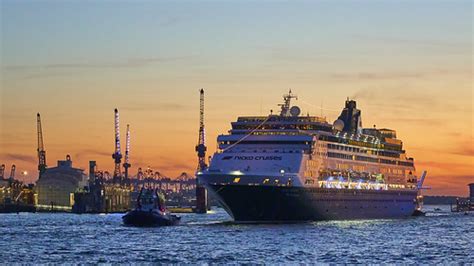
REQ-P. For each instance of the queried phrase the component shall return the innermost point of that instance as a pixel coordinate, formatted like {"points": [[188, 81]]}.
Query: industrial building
{"points": [[101, 195], [471, 192], [56, 186]]}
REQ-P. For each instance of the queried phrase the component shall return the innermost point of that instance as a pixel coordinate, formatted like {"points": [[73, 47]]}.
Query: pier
{"points": [[465, 204]]}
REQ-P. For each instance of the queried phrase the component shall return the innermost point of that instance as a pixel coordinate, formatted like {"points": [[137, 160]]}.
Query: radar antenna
{"points": [[285, 107]]}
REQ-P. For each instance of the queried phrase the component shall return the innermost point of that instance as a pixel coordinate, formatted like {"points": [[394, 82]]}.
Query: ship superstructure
{"points": [[291, 167]]}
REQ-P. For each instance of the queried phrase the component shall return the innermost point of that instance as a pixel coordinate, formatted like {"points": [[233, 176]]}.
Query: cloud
{"points": [[465, 148], [90, 154], [442, 165], [131, 62], [376, 76], [462, 148], [154, 106], [19, 157], [455, 185], [433, 122], [418, 42], [407, 100], [398, 75]]}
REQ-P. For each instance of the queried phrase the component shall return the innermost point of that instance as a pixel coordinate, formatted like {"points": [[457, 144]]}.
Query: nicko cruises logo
{"points": [[253, 158]]}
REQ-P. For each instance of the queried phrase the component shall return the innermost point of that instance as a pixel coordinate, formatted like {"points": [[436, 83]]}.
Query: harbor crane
{"points": [[201, 193], [12, 173], [127, 164], [201, 146], [117, 155], [2, 171], [41, 152]]}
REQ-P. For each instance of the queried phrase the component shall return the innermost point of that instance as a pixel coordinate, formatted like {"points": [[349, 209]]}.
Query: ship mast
{"points": [[285, 107]]}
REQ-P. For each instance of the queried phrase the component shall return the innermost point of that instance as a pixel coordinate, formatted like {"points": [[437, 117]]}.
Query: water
{"points": [[441, 237]]}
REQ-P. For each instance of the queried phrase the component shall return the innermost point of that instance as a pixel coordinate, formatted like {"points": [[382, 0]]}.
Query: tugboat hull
{"points": [[148, 219]]}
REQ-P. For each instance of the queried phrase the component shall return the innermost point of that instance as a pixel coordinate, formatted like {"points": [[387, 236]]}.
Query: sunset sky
{"points": [[409, 64]]}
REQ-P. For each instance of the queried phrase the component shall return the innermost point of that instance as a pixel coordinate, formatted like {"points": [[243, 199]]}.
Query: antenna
{"points": [[285, 107]]}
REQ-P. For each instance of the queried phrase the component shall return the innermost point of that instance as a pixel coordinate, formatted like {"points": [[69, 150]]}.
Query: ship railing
{"points": [[362, 185]]}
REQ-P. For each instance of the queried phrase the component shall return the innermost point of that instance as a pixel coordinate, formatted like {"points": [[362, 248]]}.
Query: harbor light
{"points": [[236, 172]]}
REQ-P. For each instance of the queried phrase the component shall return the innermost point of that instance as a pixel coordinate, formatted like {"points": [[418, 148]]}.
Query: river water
{"points": [[440, 237]]}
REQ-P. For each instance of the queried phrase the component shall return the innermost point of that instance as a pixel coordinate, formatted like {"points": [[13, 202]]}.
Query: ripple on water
{"points": [[213, 238]]}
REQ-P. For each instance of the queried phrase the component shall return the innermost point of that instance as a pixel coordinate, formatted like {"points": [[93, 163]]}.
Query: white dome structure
{"points": [[338, 125]]}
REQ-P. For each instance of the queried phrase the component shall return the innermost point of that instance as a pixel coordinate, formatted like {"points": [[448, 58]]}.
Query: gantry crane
{"points": [[117, 155], [201, 146], [2, 171], [201, 193], [12, 173], [41, 152], [127, 164]]}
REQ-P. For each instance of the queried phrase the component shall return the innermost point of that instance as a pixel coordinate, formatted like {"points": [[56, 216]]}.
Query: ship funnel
{"points": [[350, 119]]}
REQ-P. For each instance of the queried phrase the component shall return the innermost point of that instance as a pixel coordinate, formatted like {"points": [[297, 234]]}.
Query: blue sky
{"points": [[408, 63]]}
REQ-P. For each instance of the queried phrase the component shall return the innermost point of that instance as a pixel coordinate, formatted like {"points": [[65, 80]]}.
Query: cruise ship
{"points": [[289, 167]]}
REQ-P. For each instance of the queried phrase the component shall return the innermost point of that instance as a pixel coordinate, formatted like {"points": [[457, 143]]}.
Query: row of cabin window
{"points": [[361, 143], [279, 126], [367, 159], [354, 149]]}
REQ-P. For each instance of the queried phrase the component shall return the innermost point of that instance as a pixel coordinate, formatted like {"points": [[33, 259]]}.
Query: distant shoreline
{"points": [[440, 200]]}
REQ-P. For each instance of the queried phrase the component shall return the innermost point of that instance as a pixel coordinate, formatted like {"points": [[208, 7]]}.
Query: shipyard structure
{"points": [[57, 185], [14, 195], [105, 193], [66, 188]]}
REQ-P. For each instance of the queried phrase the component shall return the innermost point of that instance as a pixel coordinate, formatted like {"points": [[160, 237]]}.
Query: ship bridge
{"points": [[273, 143]]}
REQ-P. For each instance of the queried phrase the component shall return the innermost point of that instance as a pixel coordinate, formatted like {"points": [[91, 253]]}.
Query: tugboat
{"points": [[150, 211]]}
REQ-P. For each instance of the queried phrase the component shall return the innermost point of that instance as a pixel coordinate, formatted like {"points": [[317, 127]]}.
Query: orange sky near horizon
{"points": [[414, 76]]}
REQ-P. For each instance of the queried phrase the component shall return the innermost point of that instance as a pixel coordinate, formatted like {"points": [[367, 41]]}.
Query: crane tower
{"points": [[41, 152], [201, 193], [12, 173], [117, 155], [201, 146], [2, 171], [127, 164]]}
